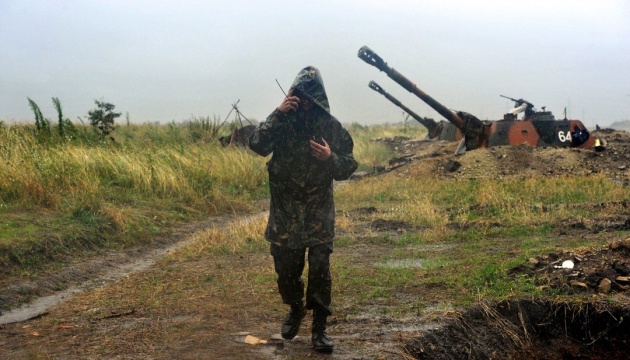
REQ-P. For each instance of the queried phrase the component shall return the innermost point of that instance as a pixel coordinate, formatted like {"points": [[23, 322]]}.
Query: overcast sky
{"points": [[171, 60]]}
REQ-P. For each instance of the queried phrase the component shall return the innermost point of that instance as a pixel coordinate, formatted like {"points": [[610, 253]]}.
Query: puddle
{"points": [[439, 308], [401, 263], [432, 247], [37, 308]]}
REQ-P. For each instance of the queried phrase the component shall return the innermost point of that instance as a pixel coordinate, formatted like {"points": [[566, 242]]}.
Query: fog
{"points": [[162, 61]]}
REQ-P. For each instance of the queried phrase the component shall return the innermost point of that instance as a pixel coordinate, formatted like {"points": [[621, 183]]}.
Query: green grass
{"points": [[371, 154], [460, 241], [484, 228]]}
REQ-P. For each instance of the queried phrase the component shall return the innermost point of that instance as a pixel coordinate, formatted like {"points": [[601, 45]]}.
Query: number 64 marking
{"points": [[564, 136]]}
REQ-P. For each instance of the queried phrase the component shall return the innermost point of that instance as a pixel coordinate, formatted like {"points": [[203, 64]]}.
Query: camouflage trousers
{"points": [[289, 265]]}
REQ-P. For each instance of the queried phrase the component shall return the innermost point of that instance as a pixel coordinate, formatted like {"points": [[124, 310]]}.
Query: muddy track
{"points": [[51, 289]]}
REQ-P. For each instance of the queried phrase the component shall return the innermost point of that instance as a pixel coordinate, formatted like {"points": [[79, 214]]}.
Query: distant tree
{"points": [[102, 118]]}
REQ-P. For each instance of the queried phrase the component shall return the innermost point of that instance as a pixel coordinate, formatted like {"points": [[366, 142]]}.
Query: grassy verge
{"points": [[453, 247]]}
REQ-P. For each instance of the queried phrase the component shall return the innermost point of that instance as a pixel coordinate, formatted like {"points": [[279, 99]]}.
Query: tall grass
{"points": [[371, 155], [56, 195], [72, 187], [362, 133], [85, 191], [31, 174]]}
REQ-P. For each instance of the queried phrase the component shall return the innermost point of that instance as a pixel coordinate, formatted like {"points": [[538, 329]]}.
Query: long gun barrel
{"points": [[518, 102], [515, 100], [428, 123], [366, 54], [469, 125]]}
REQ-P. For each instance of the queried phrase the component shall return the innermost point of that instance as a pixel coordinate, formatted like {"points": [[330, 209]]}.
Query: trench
{"points": [[528, 329]]}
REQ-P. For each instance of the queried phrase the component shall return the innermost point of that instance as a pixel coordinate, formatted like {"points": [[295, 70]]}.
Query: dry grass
{"points": [[93, 193], [372, 154], [431, 202], [244, 234], [190, 297]]}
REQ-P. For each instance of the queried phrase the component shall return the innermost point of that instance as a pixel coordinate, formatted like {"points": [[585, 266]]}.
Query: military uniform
{"points": [[302, 213]]}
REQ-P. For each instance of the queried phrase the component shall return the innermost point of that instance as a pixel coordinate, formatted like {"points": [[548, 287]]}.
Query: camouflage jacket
{"points": [[302, 212]]}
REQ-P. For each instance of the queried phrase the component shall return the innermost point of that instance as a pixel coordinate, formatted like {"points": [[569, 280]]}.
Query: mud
{"points": [[383, 225], [505, 161]]}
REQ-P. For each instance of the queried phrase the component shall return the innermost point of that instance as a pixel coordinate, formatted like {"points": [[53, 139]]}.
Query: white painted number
{"points": [[563, 137]]}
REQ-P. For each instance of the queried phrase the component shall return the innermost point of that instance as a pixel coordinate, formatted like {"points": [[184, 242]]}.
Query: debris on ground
{"points": [[599, 272]]}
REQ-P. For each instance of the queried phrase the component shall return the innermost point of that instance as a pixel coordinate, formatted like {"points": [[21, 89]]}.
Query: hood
{"points": [[309, 82]]}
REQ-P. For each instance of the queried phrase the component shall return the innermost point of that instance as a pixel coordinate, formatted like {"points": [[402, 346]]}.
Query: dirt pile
{"points": [[597, 272], [420, 157]]}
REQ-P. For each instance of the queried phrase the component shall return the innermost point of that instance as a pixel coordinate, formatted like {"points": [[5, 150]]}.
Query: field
{"points": [[437, 256]]}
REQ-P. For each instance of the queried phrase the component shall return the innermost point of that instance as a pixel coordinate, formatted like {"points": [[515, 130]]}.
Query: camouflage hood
{"points": [[309, 82]]}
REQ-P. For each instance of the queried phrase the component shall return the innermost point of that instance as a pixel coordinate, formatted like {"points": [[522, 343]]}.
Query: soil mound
{"points": [[597, 272], [421, 157]]}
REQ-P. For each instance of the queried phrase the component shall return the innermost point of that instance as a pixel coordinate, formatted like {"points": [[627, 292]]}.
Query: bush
{"points": [[102, 118]]}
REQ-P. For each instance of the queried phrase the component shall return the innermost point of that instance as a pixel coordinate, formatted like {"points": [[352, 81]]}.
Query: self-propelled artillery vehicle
{"points": [[537, 128]]}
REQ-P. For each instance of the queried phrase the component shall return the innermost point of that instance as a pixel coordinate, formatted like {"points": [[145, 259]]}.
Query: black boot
{"points": [[292, 323], [321, 341]]}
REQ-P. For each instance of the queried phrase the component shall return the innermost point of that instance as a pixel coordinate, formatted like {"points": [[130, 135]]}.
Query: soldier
{"points": [[310, 148]]}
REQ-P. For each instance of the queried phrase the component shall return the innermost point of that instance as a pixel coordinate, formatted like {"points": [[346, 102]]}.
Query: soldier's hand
{"points": [[289, 103], [321, 152]]}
